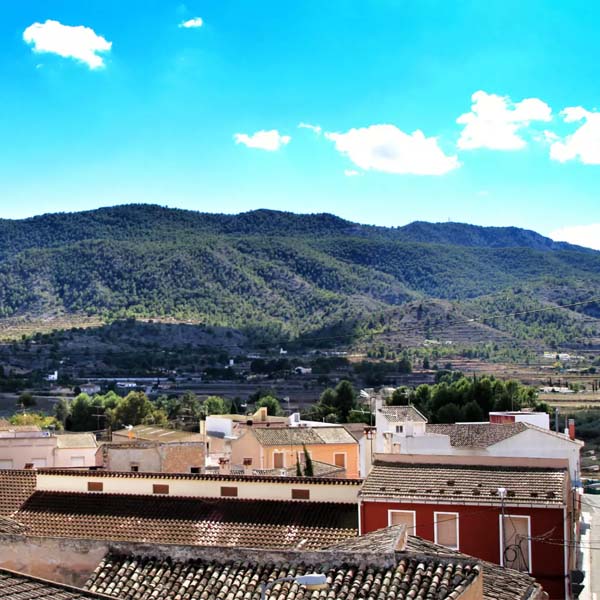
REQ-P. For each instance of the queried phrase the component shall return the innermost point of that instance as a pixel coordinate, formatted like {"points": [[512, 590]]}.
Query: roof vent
{"points": [[450, 482], [493, 492], [442, 491], [533, 494], [476, 492], [551, 495], [511, 493]]}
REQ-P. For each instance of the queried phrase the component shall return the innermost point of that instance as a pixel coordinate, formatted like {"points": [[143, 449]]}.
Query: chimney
{"points": [[387, 442], [224, 468], [400, 545], [572, 429]]}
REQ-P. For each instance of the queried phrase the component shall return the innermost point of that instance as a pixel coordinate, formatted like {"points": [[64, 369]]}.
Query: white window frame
{"points": [[399, 429], [282, 452], [436, 519], [413, 528], [508, 517], [345, 455]]}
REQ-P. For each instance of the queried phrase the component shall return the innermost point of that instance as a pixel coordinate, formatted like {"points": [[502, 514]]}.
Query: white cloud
{"points": [[582, 235], [192, 23], [316, 128], [386, 148], [495, 122], [352, 173], [264, 140], [80, 43], [584, 144]]}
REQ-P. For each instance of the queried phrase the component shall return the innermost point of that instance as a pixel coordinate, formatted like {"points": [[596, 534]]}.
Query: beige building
{"points": [[29, 447]]}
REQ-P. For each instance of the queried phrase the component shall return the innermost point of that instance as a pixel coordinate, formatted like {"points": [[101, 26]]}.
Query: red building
{"points": [[519, 517]]}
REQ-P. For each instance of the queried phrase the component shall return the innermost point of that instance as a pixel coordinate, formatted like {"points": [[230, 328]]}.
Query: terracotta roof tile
{"points": [[188, 521], [477, 435], [463, 484], [402, 413], [15, 488], [297, 436], [18, 586], [137, 578]]}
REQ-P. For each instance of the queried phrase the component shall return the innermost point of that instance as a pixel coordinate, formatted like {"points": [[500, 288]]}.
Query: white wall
{"points": [[201, 488]]}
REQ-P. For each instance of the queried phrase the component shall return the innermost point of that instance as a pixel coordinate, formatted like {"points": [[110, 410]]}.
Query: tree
{"points": [[471, 412], [62, 411], [272, 405], [82, 411], [345, 399], [214, 405], [400, 396], [309, 470], [298, 466], [26, 400], [134, 409], [449, 413], [38, 419]]}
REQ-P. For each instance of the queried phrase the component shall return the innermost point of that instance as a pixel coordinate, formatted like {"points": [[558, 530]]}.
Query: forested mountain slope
{"points": [[297, 273]]}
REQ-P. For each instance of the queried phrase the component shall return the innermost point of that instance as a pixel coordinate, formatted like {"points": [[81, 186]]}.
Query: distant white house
{"points": [[303, 370], [90, 388], [52, 376]]}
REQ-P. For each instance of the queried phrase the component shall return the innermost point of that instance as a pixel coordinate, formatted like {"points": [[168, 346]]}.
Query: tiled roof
{"points": [[18, 586], [461, 484], [297, 436], [478, 435], [188, 521], [499, 583], [136, 578], [15, 488], [321, 469], [90, 473], [151, 433], [402, 413], [76, 440]]}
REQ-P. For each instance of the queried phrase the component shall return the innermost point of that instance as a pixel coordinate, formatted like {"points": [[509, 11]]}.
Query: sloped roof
{"points": [[297, 436], [152, 433], [188, 521], [402, 413], [130, 578], [462, 484], [76, 440], [19, 586], [477, 435], [15, 488]]}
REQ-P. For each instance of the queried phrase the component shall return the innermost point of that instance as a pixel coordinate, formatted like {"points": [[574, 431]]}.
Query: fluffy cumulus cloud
{"points": [[584, 144], [81, 43], [264, 140], [316, 128], [582, 235], [192, 23], [495, 122], [386, 148]]}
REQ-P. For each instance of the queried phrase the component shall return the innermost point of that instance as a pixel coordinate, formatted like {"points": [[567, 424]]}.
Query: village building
{"points": [[61, 538], [523, 517]]}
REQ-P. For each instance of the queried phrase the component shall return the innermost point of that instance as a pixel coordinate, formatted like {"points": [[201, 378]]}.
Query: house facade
{"points": [[519, 517]]}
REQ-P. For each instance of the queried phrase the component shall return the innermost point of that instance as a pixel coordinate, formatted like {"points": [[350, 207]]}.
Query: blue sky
{"points": [[197, 105]]}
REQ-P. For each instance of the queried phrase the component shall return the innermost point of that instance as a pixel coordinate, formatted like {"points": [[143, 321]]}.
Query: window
{"points": [[95, 486], [446, 529], [78, 461], [6, 464], [403, 517], [229, 492], [300, 494], [160, 488], [39, 462], [135, 468], [248, 461], [399, 428], [278, 460], [339, 459], [515, 545], [195, 470]]}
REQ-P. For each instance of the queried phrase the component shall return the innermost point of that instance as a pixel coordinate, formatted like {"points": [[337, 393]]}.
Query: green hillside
{"points": [[294, 274]]}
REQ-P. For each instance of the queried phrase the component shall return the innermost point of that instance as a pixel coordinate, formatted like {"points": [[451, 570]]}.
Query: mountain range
{"points": [[291, 274]]}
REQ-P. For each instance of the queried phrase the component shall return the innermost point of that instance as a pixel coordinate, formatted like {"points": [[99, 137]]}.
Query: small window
{"points": [[399, 428], [515, 542], [300, 494], [6, 463], [446, 529], [403, 517], [339, 459], [135, 468], [278, 460], [39, 463], [160, 488], [78, 461], [195, 470], [229, 492], [248, 462], [95, 486]]}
